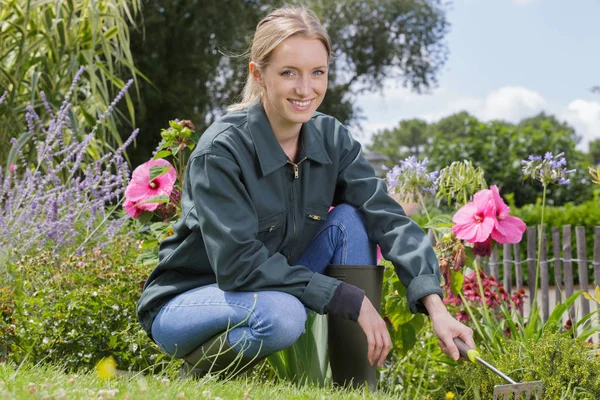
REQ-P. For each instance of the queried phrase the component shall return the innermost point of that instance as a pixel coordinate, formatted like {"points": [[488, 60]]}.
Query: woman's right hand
{"points": [[375, 329]]}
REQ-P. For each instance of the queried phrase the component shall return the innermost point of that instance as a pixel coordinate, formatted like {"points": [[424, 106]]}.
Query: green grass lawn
{"points": [[46, 382]]}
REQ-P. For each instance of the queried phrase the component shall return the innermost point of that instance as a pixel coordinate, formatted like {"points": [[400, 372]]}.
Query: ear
{"points": [[255, 73]]}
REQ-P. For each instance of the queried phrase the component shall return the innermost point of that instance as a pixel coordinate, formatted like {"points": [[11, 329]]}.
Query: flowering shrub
{"points": [[566, 367], [154, 192], [494, 295], [62, 201], [151, 185]]}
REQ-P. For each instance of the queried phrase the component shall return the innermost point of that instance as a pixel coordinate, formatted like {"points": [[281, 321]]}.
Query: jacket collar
{"points": [[270, 154]]}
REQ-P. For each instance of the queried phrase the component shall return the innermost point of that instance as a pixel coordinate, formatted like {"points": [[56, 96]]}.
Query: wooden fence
{"points": [[514, 268]]}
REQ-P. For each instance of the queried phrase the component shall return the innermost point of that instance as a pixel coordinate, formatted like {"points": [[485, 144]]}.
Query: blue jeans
{"points": [[260, 323]]}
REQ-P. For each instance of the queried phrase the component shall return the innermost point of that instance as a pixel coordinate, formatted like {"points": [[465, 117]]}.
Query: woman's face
{"points": [[295, 81]]}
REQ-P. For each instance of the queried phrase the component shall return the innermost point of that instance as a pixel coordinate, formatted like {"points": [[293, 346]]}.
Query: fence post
{"points": [[544, 276], [531, 259], [507, 268], [567, 265], [582, 264], [518, 266], [557, 272]]}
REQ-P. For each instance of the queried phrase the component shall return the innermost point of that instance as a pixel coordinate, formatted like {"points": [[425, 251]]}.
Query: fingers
{"points": [[449, 347], [378, 338], [387, 345], [467, 337], [372, 344]]}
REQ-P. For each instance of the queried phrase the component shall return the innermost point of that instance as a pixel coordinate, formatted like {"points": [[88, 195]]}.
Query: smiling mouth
{"points": [[300, 103]]}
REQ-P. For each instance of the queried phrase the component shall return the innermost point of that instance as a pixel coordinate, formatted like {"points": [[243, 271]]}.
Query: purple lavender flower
{"points": [[3, 97], [411, 180], [549, 169], [57, 201]]}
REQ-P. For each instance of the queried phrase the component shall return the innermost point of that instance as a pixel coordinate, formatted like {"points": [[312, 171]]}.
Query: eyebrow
{"points": [[293, 67]]}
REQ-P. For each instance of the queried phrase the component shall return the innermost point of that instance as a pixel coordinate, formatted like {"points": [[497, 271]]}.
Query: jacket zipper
{"points": [[296, 176], [296, 167]]}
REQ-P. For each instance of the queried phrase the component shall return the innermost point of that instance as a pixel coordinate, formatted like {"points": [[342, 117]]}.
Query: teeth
{"points": [[301, 103]]}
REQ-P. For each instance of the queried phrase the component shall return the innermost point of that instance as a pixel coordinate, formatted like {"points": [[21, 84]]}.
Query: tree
{"points": [[454, 126], [42, 46], [594, 151], [185, 45], [408, 139], [499, 147]]}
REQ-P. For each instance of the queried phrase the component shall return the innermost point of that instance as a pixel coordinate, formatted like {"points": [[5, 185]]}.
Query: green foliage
{"points": [[306, 362], [586, 214], [416, 373], [459, 181], [372, 40], [43, 44], [75, 312], [595, 151], [408, 139], [405, 326], [499, 147], [565, 366]]}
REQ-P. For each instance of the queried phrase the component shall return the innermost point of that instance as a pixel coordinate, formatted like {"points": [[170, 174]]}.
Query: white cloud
{"points": [[508, 103], [584, 116], [511, 103]]}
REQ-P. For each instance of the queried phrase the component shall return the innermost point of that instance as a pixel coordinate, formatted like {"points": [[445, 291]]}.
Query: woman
{"points": [[247, 258]]}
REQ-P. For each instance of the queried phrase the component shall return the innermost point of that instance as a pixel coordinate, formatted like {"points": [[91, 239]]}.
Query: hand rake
{"points": [[522, 390]]}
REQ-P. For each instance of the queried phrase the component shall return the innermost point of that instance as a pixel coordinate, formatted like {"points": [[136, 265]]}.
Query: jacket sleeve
{"points": [[402, 241], [229, 225]]}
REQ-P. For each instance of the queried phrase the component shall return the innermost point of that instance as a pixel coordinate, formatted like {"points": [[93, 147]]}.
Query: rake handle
{"points": [[465, 350], [473, 355]]}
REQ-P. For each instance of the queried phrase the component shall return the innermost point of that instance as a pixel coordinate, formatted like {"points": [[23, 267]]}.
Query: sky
{"points": [[508, 60]]}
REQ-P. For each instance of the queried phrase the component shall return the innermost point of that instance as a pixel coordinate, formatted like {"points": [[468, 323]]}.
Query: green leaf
{"points": [[155, 199], [174, 125], [397, 311], [457, 281], [440, 221], [145, 217], [158, 170], [162, 154]]}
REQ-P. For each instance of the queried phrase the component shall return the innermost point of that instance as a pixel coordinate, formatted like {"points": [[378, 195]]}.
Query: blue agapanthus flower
{"points": [[411, 180], [549, 169]]}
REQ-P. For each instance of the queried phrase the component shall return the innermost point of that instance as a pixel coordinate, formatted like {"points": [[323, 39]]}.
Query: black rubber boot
{"points": [[215, 356], [347, 342]]}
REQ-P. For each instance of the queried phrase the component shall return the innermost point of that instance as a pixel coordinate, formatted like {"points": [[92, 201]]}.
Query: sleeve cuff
{"points": [[420, 287], [346, 302], [319, 291]]}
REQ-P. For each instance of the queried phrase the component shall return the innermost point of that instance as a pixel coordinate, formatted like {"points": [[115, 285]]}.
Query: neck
{"points": [[287, 134]]}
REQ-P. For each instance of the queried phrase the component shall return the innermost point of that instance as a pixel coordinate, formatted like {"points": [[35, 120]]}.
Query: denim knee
{"points": [[285, 322], [348, 215]]}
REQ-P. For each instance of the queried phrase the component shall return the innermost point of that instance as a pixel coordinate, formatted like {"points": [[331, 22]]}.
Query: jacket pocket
{"points": [[271, 223], [270, 231], [316, 213]]}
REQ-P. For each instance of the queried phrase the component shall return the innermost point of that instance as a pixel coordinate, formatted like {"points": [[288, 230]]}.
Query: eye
{"points": [[288, 72], [319, 72]]}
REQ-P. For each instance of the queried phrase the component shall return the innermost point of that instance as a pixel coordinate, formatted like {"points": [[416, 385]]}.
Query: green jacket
{"points": [[248, 214]]}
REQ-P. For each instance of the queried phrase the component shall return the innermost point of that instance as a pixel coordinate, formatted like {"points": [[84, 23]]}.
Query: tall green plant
{"points": [[43, 43]]}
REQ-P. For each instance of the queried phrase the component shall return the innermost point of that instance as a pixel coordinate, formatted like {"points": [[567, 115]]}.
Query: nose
{"points": [[303, 86]]}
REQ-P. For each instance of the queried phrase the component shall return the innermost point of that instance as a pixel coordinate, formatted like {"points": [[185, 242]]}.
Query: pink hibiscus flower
{"points": [[141, 188], [475, 221], [507, 229], [134, 211]]}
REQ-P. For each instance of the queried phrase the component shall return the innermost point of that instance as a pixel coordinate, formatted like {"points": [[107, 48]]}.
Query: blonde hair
{"points": [[273, 29]]}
